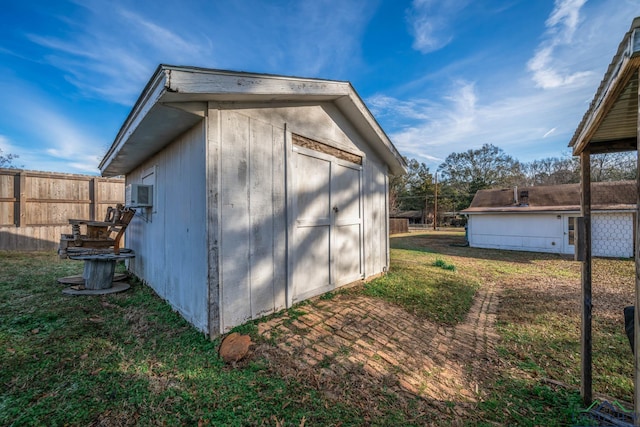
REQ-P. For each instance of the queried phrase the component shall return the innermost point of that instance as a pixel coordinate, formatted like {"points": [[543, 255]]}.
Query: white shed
{"points": [[267, 190], [542, 219]]}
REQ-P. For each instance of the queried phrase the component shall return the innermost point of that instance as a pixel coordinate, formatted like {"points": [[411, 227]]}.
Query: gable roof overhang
{"points": [[611, 122], [175, 99]]}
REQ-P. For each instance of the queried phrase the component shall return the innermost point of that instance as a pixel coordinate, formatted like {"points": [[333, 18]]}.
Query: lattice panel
{"points": [[612, 235]]}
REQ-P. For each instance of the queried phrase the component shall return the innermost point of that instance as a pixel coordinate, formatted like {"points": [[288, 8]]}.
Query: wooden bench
{"points": [[104, 236]]}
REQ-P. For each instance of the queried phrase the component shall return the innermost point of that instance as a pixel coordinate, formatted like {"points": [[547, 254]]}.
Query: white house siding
{"points": [[522, 232], [170, 238], [612, 234]]}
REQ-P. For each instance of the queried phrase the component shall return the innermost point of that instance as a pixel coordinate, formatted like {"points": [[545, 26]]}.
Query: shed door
{"points": [[327, 232]]}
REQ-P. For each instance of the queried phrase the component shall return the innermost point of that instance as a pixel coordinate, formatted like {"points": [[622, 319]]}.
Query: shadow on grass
{"points": [[453, 243]]}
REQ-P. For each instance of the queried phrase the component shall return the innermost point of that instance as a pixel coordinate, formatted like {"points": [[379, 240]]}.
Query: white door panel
{"points": [[327, 236]]}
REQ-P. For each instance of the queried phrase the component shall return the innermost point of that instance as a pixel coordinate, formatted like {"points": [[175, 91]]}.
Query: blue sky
{"points": [[440, 76]]}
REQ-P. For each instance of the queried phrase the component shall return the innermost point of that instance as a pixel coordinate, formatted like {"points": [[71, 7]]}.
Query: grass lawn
{"points": [[539, 326], [127, 358]]}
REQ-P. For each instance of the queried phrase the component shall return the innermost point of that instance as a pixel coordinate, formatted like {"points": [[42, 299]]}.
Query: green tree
{"points": [[419, 185], [409, 191]]}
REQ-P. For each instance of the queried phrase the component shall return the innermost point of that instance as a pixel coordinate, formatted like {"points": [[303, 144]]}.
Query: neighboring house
{"points": [[414, 217], [542, 218], [267, 190]]}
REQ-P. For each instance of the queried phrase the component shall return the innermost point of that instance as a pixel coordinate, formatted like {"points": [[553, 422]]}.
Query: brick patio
{"points": [[352, 331]]}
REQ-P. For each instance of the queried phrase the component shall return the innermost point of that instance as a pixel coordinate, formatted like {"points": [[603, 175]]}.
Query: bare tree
{"points": [[614, 166], [486, 167], [552, 171], [6, 160]]}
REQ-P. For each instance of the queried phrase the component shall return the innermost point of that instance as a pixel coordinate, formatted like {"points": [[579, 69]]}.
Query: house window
{"points": [[571, 227]]}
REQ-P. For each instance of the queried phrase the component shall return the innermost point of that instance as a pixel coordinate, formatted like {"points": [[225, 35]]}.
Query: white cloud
{"points": [[72, 149], [534, 117], [548, 72], [386, 106], [432, 21], [565, 14], [5, 145], [462, 120], [111, 51], [50, 138]]}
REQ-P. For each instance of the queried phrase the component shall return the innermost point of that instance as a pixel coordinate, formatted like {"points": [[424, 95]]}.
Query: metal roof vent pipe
{"points": [[515, 195]]}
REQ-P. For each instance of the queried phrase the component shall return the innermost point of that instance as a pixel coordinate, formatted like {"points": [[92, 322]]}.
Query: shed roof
{"points": [[172, 102], [611, 122], [619, 195]]}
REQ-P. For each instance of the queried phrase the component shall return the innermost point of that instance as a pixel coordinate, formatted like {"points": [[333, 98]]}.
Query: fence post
{"points": [[93, 203], [20, 188]]}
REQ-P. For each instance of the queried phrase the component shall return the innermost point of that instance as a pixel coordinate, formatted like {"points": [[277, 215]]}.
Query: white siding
{"points": [[376, 219], [327, 124], [611, 233], [522, 232], [253, 204], [214, 244], [253, 219], [170, 238]]}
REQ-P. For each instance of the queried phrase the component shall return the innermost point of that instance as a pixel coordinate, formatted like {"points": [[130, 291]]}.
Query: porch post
{"points": [[586, 339], [636, 321]]}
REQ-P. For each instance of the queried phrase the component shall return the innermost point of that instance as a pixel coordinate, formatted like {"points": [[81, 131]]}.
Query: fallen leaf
{"points": [[84, 356], [96, 319], [35, 331], [11, 350]]}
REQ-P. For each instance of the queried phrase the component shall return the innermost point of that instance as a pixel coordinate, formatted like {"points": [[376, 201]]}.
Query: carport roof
{"points": [[175, 99], [611, 122]]}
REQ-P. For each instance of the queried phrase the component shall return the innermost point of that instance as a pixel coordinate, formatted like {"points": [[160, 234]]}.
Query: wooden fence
{"points": [[398, 225], [35, 206]]}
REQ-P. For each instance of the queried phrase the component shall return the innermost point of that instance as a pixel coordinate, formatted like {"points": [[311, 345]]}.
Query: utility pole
{"points": [[426, 211], [435, 204]]}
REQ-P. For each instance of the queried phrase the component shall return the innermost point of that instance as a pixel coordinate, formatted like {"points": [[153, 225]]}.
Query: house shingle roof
{"points": [[619, 195]]}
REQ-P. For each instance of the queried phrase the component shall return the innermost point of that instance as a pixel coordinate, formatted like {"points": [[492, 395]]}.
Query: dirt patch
{"points": [[357, 349]]}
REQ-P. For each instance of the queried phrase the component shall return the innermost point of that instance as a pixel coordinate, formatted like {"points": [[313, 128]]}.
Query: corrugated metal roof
{"points": [[619, 195], [611, 122]]}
